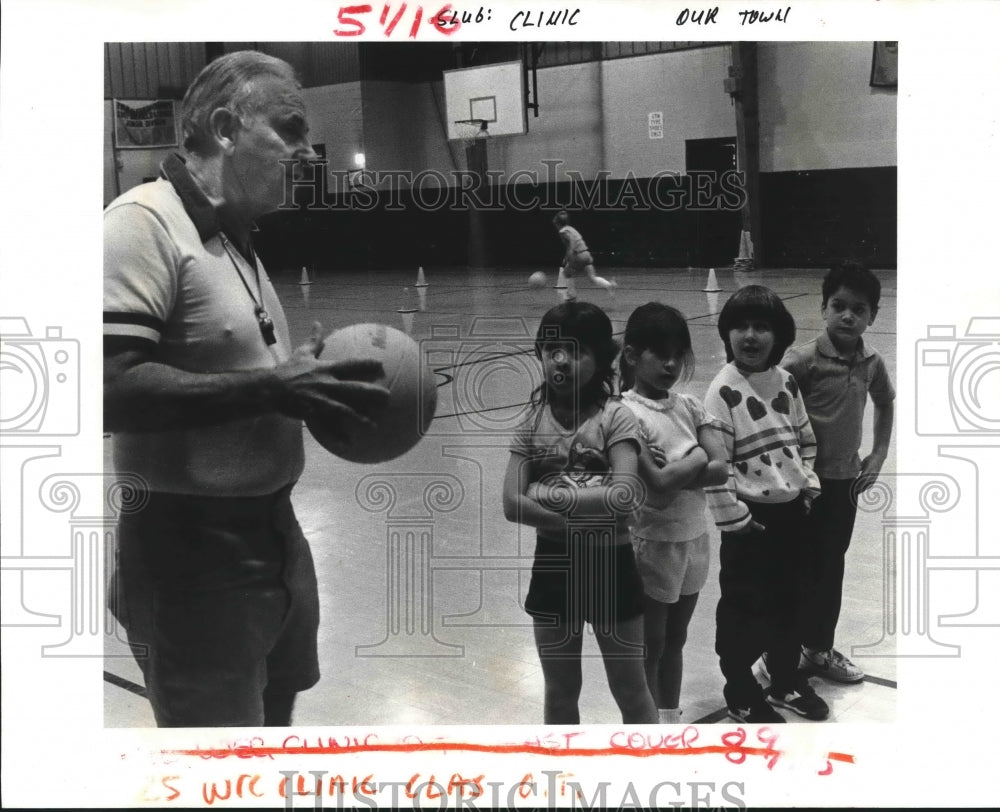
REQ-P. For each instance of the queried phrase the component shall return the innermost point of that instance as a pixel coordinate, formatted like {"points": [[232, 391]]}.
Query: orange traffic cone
{"points": [[304, 279], [421, 281]]}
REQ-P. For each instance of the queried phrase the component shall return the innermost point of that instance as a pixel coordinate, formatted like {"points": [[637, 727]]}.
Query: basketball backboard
{"points": [[490, 93]]}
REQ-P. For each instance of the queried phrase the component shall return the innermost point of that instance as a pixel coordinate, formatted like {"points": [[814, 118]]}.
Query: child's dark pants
{"points": [[762, 584], [831, 524]]}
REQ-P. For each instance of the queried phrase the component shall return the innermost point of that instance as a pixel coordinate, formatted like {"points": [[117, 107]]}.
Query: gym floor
{"points": [[421, 577]]}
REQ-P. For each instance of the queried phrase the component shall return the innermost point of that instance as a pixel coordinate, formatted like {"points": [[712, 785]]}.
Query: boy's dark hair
{"points": [[661, 328], [589, 326], [758, 302], [854, 276], [561, 218]]}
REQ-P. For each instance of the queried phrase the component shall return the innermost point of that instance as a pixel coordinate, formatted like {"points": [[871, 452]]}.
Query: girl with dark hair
{"points": [[681, 454], [761, 510], [572, 475]]}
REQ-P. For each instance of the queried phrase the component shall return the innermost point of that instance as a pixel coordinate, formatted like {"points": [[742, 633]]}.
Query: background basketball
{"points": [[538, 279], [412, 393]]}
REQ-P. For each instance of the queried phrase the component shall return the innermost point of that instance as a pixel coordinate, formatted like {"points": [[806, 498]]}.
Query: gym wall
{"points": [[827, 159]]}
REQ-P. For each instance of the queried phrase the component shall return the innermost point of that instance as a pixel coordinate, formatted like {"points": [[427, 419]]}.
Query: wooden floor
{"points": [[422, 579]]}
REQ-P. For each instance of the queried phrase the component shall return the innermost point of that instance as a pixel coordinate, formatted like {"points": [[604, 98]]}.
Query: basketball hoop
{"points": [[475, 134], [472, 130]]}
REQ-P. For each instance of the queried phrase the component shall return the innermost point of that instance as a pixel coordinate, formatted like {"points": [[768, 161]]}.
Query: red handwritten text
{"points": [[735, 745], [351, 23]]}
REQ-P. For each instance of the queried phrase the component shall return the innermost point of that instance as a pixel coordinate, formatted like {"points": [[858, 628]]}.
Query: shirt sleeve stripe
{"points": [[722, 525], [135, 325], [132, 331], [143, 319]]}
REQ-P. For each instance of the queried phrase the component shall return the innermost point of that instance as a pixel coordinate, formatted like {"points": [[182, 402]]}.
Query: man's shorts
{"points": [[597, 584], [579, 264], [218, 596], [670, 569]]}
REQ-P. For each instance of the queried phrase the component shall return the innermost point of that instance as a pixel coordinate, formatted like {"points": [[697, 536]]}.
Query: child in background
{"points": [[572, 459], [836, 372], [761, 510], [577, 258], [681, 454]]}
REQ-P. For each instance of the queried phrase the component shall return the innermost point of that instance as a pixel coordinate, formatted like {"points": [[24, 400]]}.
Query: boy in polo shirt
{"points": [[836, 373]]}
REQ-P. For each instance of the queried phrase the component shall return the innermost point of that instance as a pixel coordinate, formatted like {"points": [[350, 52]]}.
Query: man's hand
{"points": [[338, 392], [313, 345]]}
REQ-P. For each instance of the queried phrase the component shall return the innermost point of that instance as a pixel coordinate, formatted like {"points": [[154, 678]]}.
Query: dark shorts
{"points": [[573, 584], [218, 597]]}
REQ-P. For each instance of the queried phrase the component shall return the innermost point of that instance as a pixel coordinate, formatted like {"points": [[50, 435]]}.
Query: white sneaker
{"points": [[832, 665]]}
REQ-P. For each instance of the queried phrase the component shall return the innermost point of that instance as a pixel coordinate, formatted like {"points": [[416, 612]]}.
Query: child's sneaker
{"points": [[803, 700], [832, 665], [760, 667], [761, 713]]}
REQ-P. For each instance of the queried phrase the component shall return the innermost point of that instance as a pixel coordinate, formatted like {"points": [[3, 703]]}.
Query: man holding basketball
{"points": [[214, 580]]}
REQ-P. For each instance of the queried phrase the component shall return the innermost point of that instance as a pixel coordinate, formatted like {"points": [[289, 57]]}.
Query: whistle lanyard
{"points": [[263, 319]]}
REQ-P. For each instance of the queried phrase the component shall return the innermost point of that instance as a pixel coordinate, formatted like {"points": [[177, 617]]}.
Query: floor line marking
{"points": [[127, 684]]}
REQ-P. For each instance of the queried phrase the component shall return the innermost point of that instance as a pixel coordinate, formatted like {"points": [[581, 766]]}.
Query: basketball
{"points": [[412, 393], [538, 279]]}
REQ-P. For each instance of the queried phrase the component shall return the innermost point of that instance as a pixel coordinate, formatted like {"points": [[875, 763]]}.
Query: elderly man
{"points": [[214, 580]]}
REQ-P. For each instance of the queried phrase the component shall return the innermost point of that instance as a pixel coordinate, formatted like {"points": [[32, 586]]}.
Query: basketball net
{"points": [[475, 136]]}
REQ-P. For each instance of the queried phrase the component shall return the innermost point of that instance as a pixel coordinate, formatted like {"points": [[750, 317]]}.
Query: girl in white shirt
{"points": [[681, 453]]}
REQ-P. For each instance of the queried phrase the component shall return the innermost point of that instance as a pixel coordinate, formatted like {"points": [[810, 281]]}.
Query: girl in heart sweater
{"points": [[761, 509], [769, 438]]}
